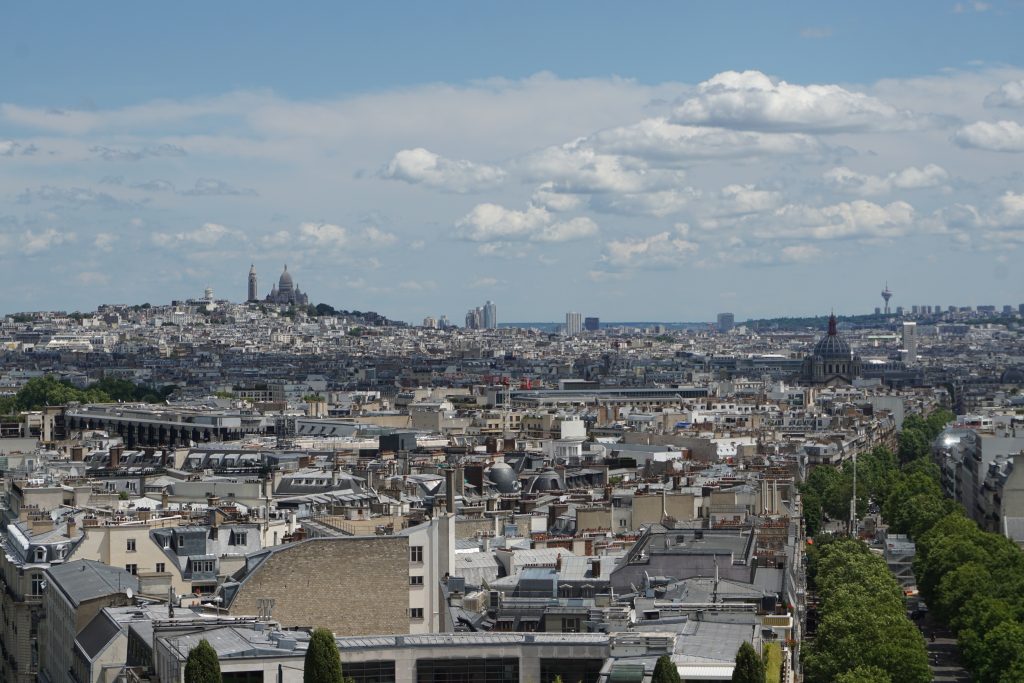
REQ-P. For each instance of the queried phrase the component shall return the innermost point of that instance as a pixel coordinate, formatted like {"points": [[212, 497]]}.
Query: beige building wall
{"points": [[352, 586], [109, 544], [648, 509]]}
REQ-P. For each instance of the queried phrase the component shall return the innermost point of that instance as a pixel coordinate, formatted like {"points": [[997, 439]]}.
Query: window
{"points": [[415, 580], [416, 553], [132, 568], [131, 545], [37, 584], [203, 566], [416, 612], [161, 567], [181, 541], [40, 554], [238, 538], [570, 625]]}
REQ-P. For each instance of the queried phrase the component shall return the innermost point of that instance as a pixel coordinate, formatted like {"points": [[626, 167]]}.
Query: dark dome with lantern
{"points": [[832, 361], [832, 346]]}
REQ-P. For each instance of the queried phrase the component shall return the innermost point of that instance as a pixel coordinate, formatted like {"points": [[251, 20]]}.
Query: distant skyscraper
{"points": [[573, 324], [253, 290], [910, 342], [726, 321], [490, 315], [592, 324]]}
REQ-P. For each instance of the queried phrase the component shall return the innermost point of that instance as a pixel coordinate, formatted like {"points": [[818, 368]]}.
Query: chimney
{"points": [[460, 481], [165, 500], [558, 563], [77, 453], [72, 527], [449, 491], [115, 456]]}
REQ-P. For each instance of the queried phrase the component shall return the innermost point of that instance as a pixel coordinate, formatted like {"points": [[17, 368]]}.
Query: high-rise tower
{"points": [[886, 294], [253, 290]]}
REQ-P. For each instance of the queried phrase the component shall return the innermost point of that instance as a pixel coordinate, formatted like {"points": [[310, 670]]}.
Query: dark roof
{"points": [[95, 637], [84, 580]]}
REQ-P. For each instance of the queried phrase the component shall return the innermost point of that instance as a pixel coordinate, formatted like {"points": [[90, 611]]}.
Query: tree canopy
{"points": [[50, 391], [202, 665], [322, 663], [665, 671], [749, 667]]}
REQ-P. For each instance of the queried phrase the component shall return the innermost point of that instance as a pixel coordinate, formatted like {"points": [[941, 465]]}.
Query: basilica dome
{"points": [[285, 284], [832, 346]]}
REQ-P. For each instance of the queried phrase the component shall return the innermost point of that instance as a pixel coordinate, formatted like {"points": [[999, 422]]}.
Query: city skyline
{"points": [[736, 175]]}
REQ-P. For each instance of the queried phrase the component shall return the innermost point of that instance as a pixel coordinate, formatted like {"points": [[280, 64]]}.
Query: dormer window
{"points": [[40, 554]]}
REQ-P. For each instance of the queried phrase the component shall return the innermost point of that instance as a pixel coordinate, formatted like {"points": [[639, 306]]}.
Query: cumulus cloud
{"points": [[326, 235], [859, 219], [1009, 95], [997, 136], [495, 223], [36, 242], [484, 282], [577, 168], [138, 153], [374, 236], [206, 235], [753, 101], [847, 180], [659, 204], [742, 199], [546, 197], [104, 241], [658, 139], [420, 166], [9, 148], [662, 250]]}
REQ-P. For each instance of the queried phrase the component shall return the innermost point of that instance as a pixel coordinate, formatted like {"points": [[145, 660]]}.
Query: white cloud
{"points": [[998, 136], [741, 199], [495, 223], [36, 242], [325, 235], [662, 250], [420, 166], [576, 167], [751, 100], [843, 179], [659, 204], [484, 282], [1009, 95], [858, 219], [545, 197], [566, 231], [105, 241], [658, 139], [207, 235], [374, 236], [972, 6]]}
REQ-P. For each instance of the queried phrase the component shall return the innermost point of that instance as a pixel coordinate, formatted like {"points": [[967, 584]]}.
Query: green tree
{"points": [[749, 667], [864, 674], [665, 671], [202, 665], [322, 663]]}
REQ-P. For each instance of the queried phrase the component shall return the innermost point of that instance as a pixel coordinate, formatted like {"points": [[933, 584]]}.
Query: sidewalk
{"points": [[943, 653]]}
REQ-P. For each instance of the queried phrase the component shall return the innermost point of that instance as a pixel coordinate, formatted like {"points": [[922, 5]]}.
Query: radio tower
{"points": [[886, 294]]}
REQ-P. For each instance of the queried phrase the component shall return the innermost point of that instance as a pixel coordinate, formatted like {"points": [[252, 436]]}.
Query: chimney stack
{"points": [[77, 454], [115, 456], [449, 491], [72, 527]]}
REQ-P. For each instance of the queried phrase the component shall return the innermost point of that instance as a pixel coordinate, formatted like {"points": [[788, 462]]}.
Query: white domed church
{"points": [[286, 292]]}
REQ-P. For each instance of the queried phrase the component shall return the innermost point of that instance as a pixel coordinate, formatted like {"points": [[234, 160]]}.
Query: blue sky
{"points": [[642, 161]]}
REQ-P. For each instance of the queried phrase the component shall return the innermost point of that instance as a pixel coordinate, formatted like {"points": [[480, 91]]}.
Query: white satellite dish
{"points": [[129, 593]]}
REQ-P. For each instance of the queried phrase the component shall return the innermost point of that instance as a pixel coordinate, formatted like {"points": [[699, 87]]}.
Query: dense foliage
{"points": [[202, 665], [665, 671], [749, 667], [863, 620], [972, 580], [50, 391], [322, 663]]}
